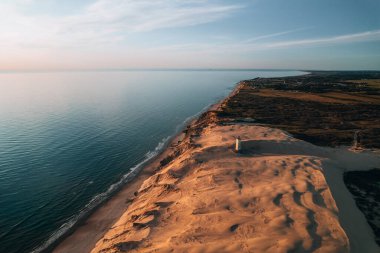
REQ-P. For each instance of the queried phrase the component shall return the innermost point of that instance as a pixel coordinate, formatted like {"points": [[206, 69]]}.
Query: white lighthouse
{"points": [[238, 145]]}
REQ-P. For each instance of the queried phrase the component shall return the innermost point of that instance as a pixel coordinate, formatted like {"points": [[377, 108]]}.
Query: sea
{"points": [[69, 138]]}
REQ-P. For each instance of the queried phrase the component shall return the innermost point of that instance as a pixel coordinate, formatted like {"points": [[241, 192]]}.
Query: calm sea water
{"points": [[66, 137]]}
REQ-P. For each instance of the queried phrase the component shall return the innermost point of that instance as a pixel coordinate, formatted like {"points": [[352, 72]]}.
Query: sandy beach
{"points": [[279, 194], [274, 197], [92, 229]]}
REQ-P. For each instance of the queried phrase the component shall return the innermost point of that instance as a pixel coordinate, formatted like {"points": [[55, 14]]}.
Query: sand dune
{"points": [[273, 197]]}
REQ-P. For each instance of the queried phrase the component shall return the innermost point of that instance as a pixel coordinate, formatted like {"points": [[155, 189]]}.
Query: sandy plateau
{"points": [[280, 194]]}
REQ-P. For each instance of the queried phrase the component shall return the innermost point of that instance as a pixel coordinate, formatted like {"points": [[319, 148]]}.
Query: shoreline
{"points": [[115, 204]]}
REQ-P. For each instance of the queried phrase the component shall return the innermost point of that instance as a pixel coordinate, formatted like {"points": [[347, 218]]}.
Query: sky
{"points": [[119, 34]]}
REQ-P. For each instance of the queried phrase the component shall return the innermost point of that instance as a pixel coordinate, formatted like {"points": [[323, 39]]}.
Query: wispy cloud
{"points": [[104, 21], [251, 45], [272, 35], [341, 39]]}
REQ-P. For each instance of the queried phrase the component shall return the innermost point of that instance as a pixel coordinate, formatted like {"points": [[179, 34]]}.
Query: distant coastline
{"points": [[161, 160]]}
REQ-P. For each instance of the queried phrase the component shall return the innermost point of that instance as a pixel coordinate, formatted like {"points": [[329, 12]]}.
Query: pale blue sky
{"points": [[291, 34]]}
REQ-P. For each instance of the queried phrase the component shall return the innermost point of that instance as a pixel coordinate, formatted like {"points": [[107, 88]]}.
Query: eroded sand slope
{"points": [[271, 198]]}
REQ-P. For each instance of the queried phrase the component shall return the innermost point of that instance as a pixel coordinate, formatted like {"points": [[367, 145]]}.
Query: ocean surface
{"points": [[68, 138]]}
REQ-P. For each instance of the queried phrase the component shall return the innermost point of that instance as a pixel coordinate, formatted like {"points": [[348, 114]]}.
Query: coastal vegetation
{"points": [[324, 108]]}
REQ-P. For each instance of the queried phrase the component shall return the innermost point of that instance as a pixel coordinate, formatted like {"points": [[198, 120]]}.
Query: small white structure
{"points": [[238, 145]]}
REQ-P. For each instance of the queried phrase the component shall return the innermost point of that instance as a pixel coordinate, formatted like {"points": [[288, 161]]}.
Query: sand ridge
{"points": [[273, 197]]}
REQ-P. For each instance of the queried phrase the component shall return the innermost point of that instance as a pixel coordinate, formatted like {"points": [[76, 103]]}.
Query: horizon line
{"points": [[3, 71]]}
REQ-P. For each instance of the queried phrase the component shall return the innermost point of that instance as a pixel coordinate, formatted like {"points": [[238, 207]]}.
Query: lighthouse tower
{"points": [[238, 145]]}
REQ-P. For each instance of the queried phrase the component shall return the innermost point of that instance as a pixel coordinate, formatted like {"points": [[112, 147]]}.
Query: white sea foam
{"points": [[99, 199]]}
